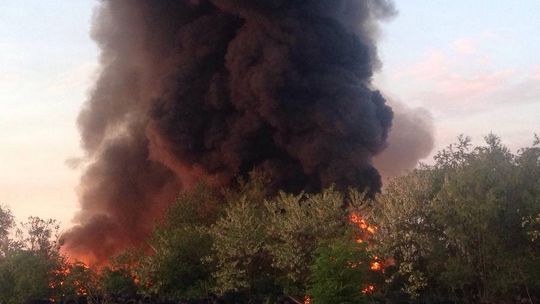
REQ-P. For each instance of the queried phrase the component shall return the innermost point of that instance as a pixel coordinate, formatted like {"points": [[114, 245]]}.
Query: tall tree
{"points": [[6, 225], [29, 265], [457, 228], [339, 269], [178, 246]]}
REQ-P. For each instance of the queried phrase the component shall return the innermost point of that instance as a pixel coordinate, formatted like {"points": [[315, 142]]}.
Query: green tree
{"points": [[28, 268], [407, 232], [125, 273], [6, 225], [175, 267], [39, 236], [24, 276], [117, 282], [238, 248], [295, 225], [339, 272], [458, 229]]}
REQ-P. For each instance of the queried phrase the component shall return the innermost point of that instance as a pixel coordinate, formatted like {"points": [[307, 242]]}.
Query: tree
{"points": [[458, 229], [295, 225], [80, 280], [6, 225], [25, 275], [29, 265], [339, 270], [408, 234], [263, 245], [118, 282], [39, 236], [175, 267], [238, 249]]}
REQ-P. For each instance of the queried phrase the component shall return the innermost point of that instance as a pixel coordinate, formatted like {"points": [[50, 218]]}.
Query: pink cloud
{"points": [[468, 91], [465, 46], [462, 78]]}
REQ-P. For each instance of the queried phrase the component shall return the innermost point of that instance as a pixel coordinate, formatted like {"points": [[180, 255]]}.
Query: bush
{"points": [[339, 272]]}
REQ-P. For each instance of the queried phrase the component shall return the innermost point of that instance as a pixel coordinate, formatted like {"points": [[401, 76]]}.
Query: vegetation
{"points": [[339, 266], [28, 262], [463, 230]]}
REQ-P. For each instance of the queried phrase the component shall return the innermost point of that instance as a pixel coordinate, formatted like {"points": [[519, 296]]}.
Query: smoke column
{"points": [[213, 89], [410, 140]]}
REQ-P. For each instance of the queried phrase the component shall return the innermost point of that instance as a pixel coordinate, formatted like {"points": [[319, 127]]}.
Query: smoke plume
{"points": [[213, 89], [410, 140]]}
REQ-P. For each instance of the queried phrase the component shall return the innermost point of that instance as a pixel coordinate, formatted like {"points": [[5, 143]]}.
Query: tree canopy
{"points": [[465, 229]]}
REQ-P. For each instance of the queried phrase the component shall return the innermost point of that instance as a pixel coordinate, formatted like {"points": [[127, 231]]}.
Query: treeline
{"points": [[463, 230]]}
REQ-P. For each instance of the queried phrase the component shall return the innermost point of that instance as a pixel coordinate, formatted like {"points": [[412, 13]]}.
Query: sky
{"points": [[474, 65]]}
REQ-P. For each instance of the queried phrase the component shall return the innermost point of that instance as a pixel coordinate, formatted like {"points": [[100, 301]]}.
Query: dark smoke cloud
{"points": [[193, 89], [411, 139]]}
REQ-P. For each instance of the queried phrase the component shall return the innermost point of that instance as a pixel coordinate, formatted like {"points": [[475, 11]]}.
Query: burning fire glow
{"points": [[363, 226], [369, 289], [74, 274], [75, 268], [376, 266], [365, 232]]}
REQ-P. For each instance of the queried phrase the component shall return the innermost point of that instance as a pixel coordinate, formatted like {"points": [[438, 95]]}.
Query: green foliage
{"points": [[461, 229], [117, 282], [338, 272], [28, 264], [267, 244], [238, 247], [176, 267], [24, 275], [6, 224], [406, 231], [295, 225], [38, 235]]}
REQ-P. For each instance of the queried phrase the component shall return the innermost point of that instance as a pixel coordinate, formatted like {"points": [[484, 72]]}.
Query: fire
{"points": [[71, 278], [362, 224], [307, 300], [366, 230], [376, 266], [368, 289]]}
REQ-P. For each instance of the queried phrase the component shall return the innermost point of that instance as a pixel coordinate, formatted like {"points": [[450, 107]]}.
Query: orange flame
{"points": [[376, 266], [368, 289], [365, 232]]}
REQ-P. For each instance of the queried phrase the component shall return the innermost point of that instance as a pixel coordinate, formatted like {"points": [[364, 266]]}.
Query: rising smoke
{"points": [[213, 89], [410, 140]]}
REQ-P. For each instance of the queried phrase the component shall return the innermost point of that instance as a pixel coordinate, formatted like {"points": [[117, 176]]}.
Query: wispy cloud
{"points": [[462, 77], [471, 88]]}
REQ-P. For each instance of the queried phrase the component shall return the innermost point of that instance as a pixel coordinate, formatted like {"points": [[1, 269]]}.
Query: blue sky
{"points": [[475, 65]]}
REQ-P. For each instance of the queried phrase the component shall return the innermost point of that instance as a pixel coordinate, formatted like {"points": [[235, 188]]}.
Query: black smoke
{"points": [[214, 89]]}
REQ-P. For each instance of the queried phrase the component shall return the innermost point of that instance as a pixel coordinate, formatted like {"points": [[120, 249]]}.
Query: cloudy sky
{"points": [[475, 65]]}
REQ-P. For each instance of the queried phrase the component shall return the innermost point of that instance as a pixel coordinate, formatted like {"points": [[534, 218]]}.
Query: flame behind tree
{"points": [[344, 268]]}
